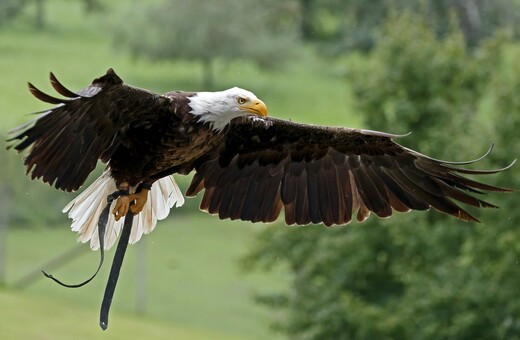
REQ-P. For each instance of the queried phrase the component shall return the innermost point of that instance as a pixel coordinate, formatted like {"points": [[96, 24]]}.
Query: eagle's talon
{"points": [[121, 207], [139, 200]]}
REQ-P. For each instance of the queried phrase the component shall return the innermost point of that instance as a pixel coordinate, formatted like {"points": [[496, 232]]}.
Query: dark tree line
{"points": [[355, 21], [270, 32], [10, 9]]}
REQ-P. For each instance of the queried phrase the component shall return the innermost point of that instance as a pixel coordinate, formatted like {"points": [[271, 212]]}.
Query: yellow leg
{"points": [[122, 203], [139, 200], [133, 202], [122, 206]]}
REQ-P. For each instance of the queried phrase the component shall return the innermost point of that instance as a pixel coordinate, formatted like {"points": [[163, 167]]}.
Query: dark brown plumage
{"points": [[249, 170], [138, 132], [325, 175]]}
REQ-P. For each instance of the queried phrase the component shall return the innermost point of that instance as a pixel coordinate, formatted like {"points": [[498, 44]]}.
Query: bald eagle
{"points": [[249, 166]]}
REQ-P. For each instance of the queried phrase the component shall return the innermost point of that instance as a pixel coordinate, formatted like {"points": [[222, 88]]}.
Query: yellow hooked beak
{"points": [[256, 107]]}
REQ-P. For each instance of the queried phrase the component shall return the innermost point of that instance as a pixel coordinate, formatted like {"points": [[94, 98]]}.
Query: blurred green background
{"points": [[448, 71]]}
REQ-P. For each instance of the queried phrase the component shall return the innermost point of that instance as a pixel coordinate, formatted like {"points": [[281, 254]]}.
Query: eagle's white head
{"points": [[219, 108]]}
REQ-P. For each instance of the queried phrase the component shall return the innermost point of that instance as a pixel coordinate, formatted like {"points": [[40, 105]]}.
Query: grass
{"points": [[37, 317], [191, 280], [193, 285]]}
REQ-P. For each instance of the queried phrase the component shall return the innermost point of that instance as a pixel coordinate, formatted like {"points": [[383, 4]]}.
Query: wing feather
{"points": [[271, 192], [44, 97], [252, 198], [301, 212], [239, 197], [227, 200], [66, 141], [313, 197], [324, 193], [409, 189], [60, 88], [326, 175]]}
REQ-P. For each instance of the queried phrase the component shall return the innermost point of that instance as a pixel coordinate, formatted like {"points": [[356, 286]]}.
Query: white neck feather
{"points": [[218, 108]]}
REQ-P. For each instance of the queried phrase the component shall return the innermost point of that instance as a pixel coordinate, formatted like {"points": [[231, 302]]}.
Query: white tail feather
{"points": [[85, 210]]}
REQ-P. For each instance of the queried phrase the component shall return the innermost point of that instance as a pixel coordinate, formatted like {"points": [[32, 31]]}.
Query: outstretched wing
{"points": [[67, 140], [319, 174]]}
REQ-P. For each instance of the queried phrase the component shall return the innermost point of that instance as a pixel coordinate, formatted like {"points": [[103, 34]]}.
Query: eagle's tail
{"points": [[85, 210]]}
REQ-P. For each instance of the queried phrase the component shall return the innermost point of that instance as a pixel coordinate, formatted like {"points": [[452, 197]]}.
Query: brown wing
{"points": [[67, 140], [320, 174]]}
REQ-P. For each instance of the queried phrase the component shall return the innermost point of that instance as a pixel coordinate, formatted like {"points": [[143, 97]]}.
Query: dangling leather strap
{"points": [[116, 262], [102, 224], [114, 271]]}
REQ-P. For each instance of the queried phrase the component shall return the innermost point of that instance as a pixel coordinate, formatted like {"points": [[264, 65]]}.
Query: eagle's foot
{"points": [[123, 201], [121, 207], [139, 199]]}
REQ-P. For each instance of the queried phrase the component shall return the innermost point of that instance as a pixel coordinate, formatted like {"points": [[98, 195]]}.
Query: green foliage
{"points": [[351, 25], [420, 83], [209, 30], [9, 9], [477, 19], [419, 275]]}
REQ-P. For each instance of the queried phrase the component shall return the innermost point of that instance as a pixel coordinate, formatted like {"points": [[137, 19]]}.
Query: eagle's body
{"points": [[249, 166], [170, 138]]}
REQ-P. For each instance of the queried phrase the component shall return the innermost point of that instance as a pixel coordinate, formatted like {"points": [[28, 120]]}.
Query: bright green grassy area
{"points": [[38, 317], [193, 284]]}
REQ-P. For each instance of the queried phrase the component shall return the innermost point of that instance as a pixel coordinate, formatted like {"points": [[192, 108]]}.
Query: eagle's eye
{"points": [[241, 100]]}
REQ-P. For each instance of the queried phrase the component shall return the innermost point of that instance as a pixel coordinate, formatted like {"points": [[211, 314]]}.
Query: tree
{"points": [[9, 9], [92, 6], [418, 275], [320, 20], [40, 14], [207, 31], [350, 25], [409, 83]]}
